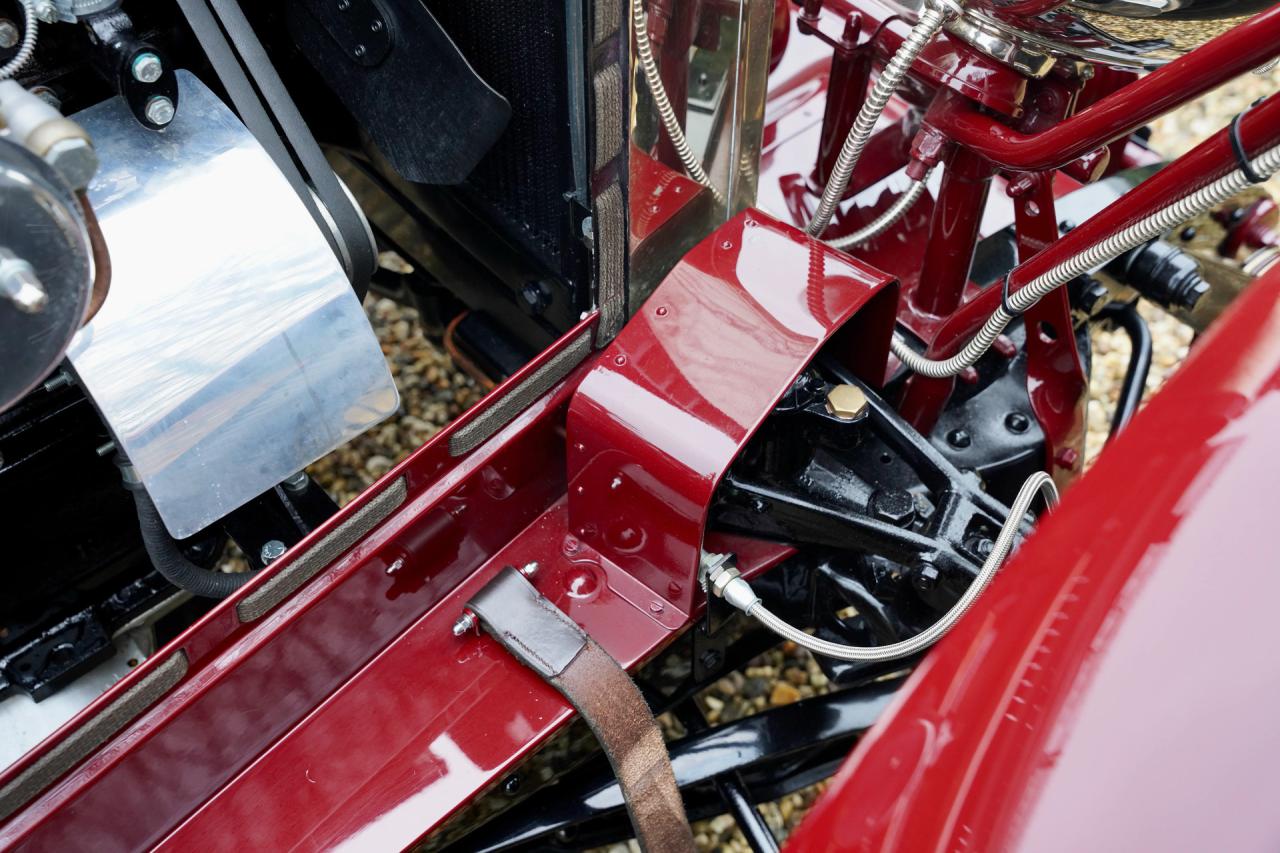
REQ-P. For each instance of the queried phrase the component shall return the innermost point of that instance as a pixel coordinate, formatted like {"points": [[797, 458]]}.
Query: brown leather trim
{"points": [[544, 639], [608, 700]]}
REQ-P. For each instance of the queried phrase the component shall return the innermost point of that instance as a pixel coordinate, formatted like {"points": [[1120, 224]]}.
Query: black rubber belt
{"points": [[548, 642], [283, 119]]}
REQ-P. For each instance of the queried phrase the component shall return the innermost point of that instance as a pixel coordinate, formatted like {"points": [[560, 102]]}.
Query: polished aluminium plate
{"points": [[231, 351]]}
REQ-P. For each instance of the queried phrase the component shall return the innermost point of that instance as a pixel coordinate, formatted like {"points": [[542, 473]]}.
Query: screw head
{"points": [[46, 11], [511, 785], [272, 550], [959, 438], [847, 402], [159, 110], [146, 67], [9, 35], [1017, 422]]}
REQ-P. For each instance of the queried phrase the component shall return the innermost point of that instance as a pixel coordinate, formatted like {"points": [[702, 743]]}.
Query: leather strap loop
{"points": [[541, 637]]}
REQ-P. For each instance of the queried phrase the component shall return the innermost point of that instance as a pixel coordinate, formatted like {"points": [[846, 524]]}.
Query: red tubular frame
{"points": [[1237, 51], [1259, 129]]}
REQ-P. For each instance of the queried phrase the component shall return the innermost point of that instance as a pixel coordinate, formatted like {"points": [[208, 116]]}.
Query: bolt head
{"points": [[926, 578], [893, 505], [959, 439], [159, 110], [272, 550], [46, 11], [9, 34], [74, 159], [847, 402], [20, 285], [297, 483], [1017, 422], [535, 297], [146, 67]]}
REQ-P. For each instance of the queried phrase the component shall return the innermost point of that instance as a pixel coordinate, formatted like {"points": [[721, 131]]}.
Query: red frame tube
{"points": [[1259, 129], [1246, 47]]}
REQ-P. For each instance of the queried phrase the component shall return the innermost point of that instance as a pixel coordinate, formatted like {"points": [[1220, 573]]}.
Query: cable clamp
{"points": [[1237, 146], [1004, 297]]}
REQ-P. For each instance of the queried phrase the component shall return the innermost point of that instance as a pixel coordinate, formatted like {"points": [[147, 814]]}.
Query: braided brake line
{"points": [[724, 582]]}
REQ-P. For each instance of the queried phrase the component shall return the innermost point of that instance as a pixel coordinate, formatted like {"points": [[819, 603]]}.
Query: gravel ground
{"points": [[433, 392]]}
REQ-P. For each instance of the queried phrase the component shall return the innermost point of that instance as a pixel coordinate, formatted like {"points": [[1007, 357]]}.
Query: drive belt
{"points": [[264, 105], [541, 637]]}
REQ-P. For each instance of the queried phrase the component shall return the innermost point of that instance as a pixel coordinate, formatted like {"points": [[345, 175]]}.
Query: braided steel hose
{"points": [[738, 592], [886, 220], [649, 66], [28, 46], [1148, 228], [931, 21]]}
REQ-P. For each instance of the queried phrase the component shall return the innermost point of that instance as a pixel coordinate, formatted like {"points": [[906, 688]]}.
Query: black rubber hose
{"points": [[167, 557], [1127, 318]]}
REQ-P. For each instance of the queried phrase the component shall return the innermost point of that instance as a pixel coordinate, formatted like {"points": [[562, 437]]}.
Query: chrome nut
{"points": [[74, 159], [160, 110]]}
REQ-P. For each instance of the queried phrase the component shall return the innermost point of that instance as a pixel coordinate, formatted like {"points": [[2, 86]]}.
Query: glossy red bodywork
{"points": [[1115, 688], [671, 402], [351, 715]]}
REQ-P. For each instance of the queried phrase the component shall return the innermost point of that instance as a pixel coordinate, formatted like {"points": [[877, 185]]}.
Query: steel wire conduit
{"points": [[1147, 228], [723, 581]]}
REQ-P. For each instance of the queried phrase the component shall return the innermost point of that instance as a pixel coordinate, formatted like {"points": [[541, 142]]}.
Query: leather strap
{"points": [[544, 639]]}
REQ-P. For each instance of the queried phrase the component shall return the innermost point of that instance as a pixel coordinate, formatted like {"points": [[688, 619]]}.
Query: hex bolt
{"points": [[9, 35], [1017, 422], [20, 285], [465, 623], [895, 506], [959, 438], [926, 577], [297, 483], [847, 402], [74, 159], [160, 110], [273, 550], [46, 11], [146, 67]]}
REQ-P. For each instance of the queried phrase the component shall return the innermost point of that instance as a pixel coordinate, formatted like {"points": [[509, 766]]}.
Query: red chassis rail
{"points": [[1078, 706], [350, 714]]}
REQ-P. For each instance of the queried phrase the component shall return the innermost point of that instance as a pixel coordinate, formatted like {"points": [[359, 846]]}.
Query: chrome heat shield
{"points": [[231, 351]]}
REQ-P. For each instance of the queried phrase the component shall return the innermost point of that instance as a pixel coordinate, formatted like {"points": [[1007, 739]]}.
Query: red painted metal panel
{"points": [[671, 402], [1116, 688], [248, 684], [350, 715]]}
